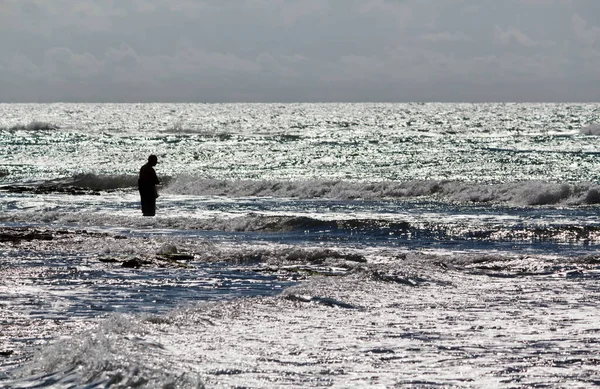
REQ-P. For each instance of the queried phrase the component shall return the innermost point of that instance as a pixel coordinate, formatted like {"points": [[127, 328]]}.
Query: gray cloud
{"points": [[299, 50]]}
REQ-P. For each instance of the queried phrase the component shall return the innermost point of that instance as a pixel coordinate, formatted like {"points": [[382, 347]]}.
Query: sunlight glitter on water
{"points": [[301, 245], [335, 141]]}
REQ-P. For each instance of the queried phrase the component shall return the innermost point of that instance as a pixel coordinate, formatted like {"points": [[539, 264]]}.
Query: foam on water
{"points": [[431, 323], [111, 354], [533, 192], [519, 193], [301, 245]]}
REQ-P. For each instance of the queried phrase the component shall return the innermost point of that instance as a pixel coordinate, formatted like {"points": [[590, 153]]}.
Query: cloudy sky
{"points": [[299, 50]]}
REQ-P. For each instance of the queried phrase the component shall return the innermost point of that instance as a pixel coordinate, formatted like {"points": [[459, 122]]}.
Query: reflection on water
{"points": [[332, 245], [64, 286], [53, 290]]}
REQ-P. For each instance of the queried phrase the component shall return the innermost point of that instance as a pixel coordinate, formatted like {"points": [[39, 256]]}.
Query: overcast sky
{"points": [[299, 50]]}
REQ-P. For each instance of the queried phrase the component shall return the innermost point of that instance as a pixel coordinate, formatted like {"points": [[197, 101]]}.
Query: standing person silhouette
{"points": [[147, 186]]}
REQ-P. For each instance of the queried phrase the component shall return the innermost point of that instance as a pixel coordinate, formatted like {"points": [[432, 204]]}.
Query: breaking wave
{"points": [[77, 184], [521, 193], [114, 354], [99, 182], [33, 126], [592, 129]]}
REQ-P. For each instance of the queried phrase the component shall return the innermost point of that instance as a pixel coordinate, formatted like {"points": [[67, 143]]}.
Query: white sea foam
{"points": [[400, 323], [522, 193], [432, 245], [533, 192], [394, 317], [113, 354]]}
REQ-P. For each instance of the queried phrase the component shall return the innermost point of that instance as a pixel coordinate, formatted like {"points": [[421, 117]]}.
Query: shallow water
{"points": [[300, 245]]}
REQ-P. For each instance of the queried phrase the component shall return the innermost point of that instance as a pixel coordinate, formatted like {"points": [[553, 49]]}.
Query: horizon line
{"points": [[309, 102]]}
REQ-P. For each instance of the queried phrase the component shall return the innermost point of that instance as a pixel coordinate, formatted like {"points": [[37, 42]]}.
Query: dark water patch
{"points": [[326, 301], [402, 279], [16, 235], [301, 272], [591, 129], [49, 189], [421, 384], [552, 233], [295, 259], [103, 182], [85, 287], [452, 234], [20, 234], [575, 267], [135, 263], [380, 351], [304, 223], [290, 137], [284, 224], [321, 256]]}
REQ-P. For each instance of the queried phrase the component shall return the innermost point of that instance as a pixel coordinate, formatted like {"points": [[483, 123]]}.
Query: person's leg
{"points": [[148, 202], [151, 206]]}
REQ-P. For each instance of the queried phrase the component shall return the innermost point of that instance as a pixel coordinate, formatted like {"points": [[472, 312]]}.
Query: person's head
{"points": [[152, 160]]}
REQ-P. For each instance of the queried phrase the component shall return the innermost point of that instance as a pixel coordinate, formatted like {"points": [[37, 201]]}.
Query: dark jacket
{"points": [[148, 179]]}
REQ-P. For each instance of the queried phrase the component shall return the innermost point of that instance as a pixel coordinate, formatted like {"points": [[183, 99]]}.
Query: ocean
{"points": [[422, 245]]}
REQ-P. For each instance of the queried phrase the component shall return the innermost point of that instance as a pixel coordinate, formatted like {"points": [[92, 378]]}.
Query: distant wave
{"points": [[180, 129], [592, 129], [76, 185], [33, 126], [100, 182], [520, 193]]}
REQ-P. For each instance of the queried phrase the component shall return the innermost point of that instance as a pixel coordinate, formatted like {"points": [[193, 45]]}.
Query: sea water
{"points": [[300, 245]]}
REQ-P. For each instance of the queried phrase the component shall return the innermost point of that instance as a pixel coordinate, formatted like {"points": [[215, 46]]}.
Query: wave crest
{"points": [[102, 182], [33, 126], [85, 183], [520, 193], [111, 354]]}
